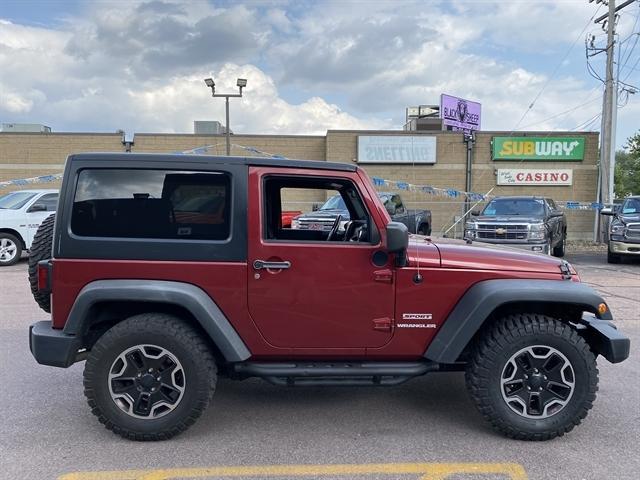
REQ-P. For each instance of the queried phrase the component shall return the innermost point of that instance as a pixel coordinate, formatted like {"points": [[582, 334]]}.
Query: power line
{"points": [[557, 68]]}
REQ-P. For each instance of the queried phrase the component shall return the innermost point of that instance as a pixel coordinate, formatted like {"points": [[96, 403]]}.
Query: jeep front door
{"points": [[310, 288]]}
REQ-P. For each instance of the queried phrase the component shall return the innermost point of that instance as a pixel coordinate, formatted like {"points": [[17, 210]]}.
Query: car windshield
{"points": [[334, 203], [15, 200], [514, 206], [631, 205]]}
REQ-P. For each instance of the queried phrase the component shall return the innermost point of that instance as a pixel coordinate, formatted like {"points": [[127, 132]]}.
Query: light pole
{"points": [[241, 83]]}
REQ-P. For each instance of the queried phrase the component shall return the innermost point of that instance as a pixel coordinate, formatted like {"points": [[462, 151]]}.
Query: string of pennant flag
{"points": [[429, 190]]}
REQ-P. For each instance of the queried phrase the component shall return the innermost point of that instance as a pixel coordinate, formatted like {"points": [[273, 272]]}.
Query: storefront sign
{"points": [[460, 114], [529, 176], [397, 149], [551, 149]]}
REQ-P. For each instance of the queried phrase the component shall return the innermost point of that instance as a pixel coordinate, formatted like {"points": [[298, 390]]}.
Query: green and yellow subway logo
{"points": [[538, 148]]}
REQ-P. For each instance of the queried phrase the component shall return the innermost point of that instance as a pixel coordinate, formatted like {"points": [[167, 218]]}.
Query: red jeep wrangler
{"points": [[168, 271]]}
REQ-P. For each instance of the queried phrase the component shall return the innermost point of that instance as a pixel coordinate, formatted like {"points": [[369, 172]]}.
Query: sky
{"points": [[311, 66]]}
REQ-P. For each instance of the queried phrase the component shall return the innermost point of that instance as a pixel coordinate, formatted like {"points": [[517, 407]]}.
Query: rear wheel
{"points": [[10, 249], [41, 250], [532, 377], [149, 377]]}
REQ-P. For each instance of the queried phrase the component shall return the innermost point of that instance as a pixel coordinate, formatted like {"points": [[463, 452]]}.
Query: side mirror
{"points": [[315, 207], [607, 211], [397, 237], [475, 213], [391, 208], [37, 207], [555, 213]]}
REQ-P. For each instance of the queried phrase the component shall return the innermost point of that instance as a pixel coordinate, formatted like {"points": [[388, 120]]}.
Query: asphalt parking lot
{"points": [[426, 428]]}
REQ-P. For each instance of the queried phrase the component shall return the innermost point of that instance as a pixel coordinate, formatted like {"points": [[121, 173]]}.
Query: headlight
{"points": [[295, 223], [470, 226], [537, 231], [616, 229], [470, 234]]}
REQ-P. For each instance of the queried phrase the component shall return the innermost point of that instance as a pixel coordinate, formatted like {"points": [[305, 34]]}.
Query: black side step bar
{"points": [[335, 373]]}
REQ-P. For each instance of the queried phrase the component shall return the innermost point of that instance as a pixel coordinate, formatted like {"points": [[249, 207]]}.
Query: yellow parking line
{"points": [[427, 471]]}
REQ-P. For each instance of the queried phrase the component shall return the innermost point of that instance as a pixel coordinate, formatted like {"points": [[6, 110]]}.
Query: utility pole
{"points": [[609, 115]]}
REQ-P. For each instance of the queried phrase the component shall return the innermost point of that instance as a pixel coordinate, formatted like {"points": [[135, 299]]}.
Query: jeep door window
{"points": [[341, 218], [15, 200], [163, 204]]}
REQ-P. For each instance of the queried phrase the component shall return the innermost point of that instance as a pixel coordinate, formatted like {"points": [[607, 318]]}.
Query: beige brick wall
{"points": [[25, 155]]}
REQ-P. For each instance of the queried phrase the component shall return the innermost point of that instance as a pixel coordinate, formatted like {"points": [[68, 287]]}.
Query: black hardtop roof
{"points": [[212, 159]]}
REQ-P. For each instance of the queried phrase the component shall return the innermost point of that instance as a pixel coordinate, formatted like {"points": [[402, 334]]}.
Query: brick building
{"points": [[25, 155]]}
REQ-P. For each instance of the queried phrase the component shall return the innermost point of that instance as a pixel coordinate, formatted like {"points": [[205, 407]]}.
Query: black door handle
{"points": [[261, 264]]}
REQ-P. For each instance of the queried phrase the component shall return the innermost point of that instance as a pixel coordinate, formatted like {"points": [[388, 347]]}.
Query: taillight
{"points": [[44, 276]]}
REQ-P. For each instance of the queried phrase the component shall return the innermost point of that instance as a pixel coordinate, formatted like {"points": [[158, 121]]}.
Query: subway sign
{"points": [[539, 149]]}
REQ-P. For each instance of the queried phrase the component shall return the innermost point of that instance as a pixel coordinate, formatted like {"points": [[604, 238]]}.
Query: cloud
{"points": [[139, 65]]}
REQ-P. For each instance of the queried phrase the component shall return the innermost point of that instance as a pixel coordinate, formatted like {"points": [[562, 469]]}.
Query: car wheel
{"points": [[149, 377], [559, 250], [424, 229], [41, 250], [613, 258], [10, 249], [532, 377]]}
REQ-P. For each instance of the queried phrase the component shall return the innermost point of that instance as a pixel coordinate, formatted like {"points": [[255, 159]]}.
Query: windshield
{"points": [[15, 200], [334, 203], [514, 206], [631, 205]]}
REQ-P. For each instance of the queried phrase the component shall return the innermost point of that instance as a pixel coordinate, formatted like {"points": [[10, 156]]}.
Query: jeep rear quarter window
{"points": [[152, 204]]}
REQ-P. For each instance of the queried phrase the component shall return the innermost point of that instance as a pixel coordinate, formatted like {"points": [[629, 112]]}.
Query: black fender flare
{"points": [[188, 296], [475, 306]]}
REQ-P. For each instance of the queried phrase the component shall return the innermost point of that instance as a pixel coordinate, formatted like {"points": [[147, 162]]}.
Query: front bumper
{"points": [[53, 347], [624, 248], [604, 338]]}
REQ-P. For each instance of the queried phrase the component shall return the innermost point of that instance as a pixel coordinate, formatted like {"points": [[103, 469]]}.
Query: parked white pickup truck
{"points": [[21, 213]]}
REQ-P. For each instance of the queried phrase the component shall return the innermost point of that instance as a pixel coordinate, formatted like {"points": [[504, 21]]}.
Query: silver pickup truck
{"points": [[417, 221], [531, 223]]}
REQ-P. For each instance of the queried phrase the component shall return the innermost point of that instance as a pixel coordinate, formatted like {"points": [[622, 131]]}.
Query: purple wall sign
{"points": [[460, 114]]}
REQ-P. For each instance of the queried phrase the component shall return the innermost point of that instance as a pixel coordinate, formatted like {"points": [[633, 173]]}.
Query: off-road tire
{"points": [[491, 354], [613, 258], [559, 250], [172, 334], [18, 244], [41, 250]]}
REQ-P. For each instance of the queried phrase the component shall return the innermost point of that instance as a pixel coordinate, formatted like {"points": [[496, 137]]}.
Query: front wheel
{"points": [[149, 377], [559, 250], [613, 258], [532, 377], [10, 249]]}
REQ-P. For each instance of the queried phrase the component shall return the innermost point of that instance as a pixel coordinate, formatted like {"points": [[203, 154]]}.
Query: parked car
{"points": [[417, 221], [21, 213], [530, 223], [624, 229], [160, 305]]}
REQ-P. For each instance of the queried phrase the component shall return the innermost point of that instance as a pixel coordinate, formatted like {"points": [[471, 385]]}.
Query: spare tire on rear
{"points": [[41, 248]]}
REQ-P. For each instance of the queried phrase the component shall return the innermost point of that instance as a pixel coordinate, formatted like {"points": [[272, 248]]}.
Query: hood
{"points": [[629, 218], [459, 254], [332, 213], [506, 219], [8, 215]]}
